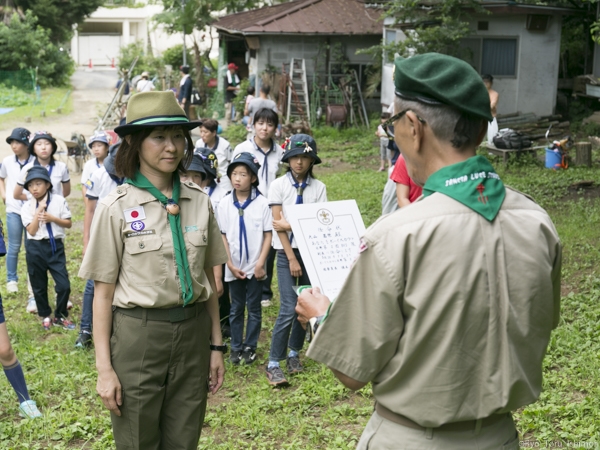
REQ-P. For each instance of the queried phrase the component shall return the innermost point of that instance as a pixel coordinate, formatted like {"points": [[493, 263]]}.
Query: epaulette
{"points": [[116, 194], [522, 193], [194, 186]]}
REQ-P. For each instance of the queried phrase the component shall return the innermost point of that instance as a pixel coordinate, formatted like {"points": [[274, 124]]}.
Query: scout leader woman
{"points": [[153, 245]]}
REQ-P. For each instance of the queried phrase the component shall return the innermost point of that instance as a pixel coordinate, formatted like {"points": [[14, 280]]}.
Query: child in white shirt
{"points": [[45, 216], [245, 221]]}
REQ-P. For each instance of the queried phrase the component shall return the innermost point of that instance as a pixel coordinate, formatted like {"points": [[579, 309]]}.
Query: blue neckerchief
{"points": [[216, 144], [49, 167], [48, 226], [116, 179], [265, 167], [211, 188], [241, 208], [299, 194], [24, 164], [97, 163]]}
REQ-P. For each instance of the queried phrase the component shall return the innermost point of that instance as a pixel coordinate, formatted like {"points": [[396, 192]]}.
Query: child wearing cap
{"points": [[211, 184], [98, 144], [219, 145], [297, 186], [101, 183], [10, 171], [43, 147], [245, 221], [45, 217]]}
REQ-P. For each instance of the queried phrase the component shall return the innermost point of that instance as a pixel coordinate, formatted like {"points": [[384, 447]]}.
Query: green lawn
{"points": [[46, 106], [316, 411]]}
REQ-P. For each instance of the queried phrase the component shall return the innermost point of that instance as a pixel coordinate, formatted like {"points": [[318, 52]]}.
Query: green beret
{"points": [[433, 78]]}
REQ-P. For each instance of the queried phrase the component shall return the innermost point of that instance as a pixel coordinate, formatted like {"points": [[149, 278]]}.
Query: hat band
{"points": [[158, 119]]}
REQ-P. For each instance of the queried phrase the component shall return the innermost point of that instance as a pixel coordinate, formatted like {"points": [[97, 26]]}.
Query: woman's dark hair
{"points": [[127, 160], [251, 90], [210, 124], [268, 115], [487, 77]]}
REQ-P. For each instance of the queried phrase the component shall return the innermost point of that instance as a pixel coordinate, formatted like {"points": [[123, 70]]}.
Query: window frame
{"points": [[478, 64]]}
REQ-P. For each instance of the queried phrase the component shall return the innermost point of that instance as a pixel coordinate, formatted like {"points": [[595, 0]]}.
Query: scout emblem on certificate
{"points": [[328, 237]]}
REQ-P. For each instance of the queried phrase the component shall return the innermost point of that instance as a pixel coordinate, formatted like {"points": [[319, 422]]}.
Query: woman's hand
{"points": [[217, 371], [109, 390], [295, 268]]}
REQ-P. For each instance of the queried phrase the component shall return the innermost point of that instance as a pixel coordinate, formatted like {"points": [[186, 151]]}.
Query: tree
{"points": [[59, 16]]}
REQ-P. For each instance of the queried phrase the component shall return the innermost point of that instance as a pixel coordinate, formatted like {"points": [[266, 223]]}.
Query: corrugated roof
{"points": [[307, 17]]}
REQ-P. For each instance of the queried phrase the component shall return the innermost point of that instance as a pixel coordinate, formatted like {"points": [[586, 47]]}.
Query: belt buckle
{"points": [[176, 314]]}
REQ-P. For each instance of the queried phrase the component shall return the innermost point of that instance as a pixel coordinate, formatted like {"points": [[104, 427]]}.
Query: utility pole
{"points": [[183, 24]]}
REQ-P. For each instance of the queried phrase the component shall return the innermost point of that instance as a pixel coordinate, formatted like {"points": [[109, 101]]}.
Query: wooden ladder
{"points": [[297, 100]]}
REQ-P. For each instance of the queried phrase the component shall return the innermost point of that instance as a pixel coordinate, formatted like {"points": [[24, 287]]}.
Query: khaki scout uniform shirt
{"points": [[448, 314], [142, 263]]}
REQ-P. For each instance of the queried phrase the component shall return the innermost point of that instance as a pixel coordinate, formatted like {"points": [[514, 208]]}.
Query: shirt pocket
{"points": [[196, 243], [146, 263]]}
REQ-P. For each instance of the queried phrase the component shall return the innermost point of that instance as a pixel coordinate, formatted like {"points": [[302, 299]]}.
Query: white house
{"points": [[107, 29], [518, 44]]}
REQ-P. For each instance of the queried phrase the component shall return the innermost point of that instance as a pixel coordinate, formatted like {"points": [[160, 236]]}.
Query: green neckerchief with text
{"points": [[473, 182], [183, 267]]}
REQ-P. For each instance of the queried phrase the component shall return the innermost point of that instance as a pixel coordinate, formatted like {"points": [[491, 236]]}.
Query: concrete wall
{"points": [[533, 89]]}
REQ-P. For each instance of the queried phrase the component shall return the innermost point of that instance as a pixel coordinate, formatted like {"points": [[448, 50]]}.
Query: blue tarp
{"points": [[5, 110]]}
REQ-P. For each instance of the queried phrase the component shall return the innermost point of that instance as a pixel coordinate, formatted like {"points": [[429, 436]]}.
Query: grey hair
{"points": [[447, 123]]}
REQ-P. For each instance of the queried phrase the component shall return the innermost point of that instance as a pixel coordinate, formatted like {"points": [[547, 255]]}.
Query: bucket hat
{"points": [[300, 144], [19, 134], [211, 164], [197, 165], [154, 109], [41, 135], [100, 136], [247, 159], [37, 173]]}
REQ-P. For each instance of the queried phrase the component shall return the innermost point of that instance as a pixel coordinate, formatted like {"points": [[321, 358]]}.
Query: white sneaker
{"points": [[31, 306], [12, 287], [29, 410], [69, 305], [265, 303]]}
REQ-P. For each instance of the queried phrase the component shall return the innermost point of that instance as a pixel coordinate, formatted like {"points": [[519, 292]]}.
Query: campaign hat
{"points": [[300, 144], [154, 109], [436, 79]]}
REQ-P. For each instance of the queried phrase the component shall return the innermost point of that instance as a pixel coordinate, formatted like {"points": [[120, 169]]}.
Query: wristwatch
{"points": [[317, 323], [219, 348]]}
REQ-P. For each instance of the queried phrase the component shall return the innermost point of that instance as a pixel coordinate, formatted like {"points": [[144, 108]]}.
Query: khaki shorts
{"points": [[382, 434]]}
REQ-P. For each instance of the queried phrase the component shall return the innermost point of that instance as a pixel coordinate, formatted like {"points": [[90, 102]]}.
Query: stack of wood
{"points": [[534, 127]]}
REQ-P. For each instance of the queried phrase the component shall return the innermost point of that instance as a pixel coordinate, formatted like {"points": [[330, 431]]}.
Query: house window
{"points": [[390, 38], [494, 56]]}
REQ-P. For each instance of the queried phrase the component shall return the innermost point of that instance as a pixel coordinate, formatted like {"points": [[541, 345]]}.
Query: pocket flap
{"points": [[197, 238], [142, 244]]}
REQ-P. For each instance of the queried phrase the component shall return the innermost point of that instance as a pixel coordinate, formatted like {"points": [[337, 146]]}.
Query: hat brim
{"points": [[130, 128], [290, 153]]}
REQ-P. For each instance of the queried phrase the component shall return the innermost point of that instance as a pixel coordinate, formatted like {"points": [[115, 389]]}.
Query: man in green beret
{"points": [[449, 306]]}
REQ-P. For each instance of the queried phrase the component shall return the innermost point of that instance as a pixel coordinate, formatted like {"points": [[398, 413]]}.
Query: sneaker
{"points": [[12, 287], [249, 355], [84, 340], [29, 410], [236, 357], [47, 323], [31, 306], [69, 305], [265, 303], [63, 322], [276, 377], [294, 365]]}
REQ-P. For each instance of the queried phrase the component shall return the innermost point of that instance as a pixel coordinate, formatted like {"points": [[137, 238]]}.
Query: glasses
{"points": [[388, 125]]}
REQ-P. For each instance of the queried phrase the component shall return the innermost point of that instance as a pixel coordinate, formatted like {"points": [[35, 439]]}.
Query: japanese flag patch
{"points": [[133, 214]]}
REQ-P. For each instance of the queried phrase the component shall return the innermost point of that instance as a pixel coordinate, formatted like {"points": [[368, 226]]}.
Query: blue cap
{"points": [[197, 165], [300, 144], [41, 135], [100, 136], [37, 173], [19, 134]]}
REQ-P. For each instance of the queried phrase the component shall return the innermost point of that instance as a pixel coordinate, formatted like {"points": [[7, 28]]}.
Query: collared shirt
{"points": [[458, 327], [273, 158], [88, 169], [137, 254], [283, 192], [10, 171], [216, 194], [59, 175], [257, 219], [100, 185], [57, 207], [223, 151]]}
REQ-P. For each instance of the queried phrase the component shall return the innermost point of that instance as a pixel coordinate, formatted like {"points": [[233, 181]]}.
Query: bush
{"points": [[13, 97], [25, 44], [146, 62], [174, 57]]}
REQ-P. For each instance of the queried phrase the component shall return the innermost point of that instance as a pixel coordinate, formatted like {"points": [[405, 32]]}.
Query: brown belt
{"points": [[466, 425], [177, 314]]}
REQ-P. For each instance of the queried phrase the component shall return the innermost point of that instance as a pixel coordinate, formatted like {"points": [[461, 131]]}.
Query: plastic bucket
{"points": [[553, 159]]}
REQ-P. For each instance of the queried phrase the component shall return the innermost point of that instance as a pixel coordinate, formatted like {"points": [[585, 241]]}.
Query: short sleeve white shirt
{"points": [[215, 193], [88, 169], [59, 173], [257, 221], [269, 162], [57, 207], [100, 184], [10, 171], [283, 192]]}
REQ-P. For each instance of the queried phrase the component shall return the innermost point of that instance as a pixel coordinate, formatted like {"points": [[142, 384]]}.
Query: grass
{"points": [[50, 101], [316, 411]]}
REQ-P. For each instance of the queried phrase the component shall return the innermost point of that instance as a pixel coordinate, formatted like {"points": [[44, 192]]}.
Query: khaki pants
{"points": [[163, 368], [382, 434]]}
